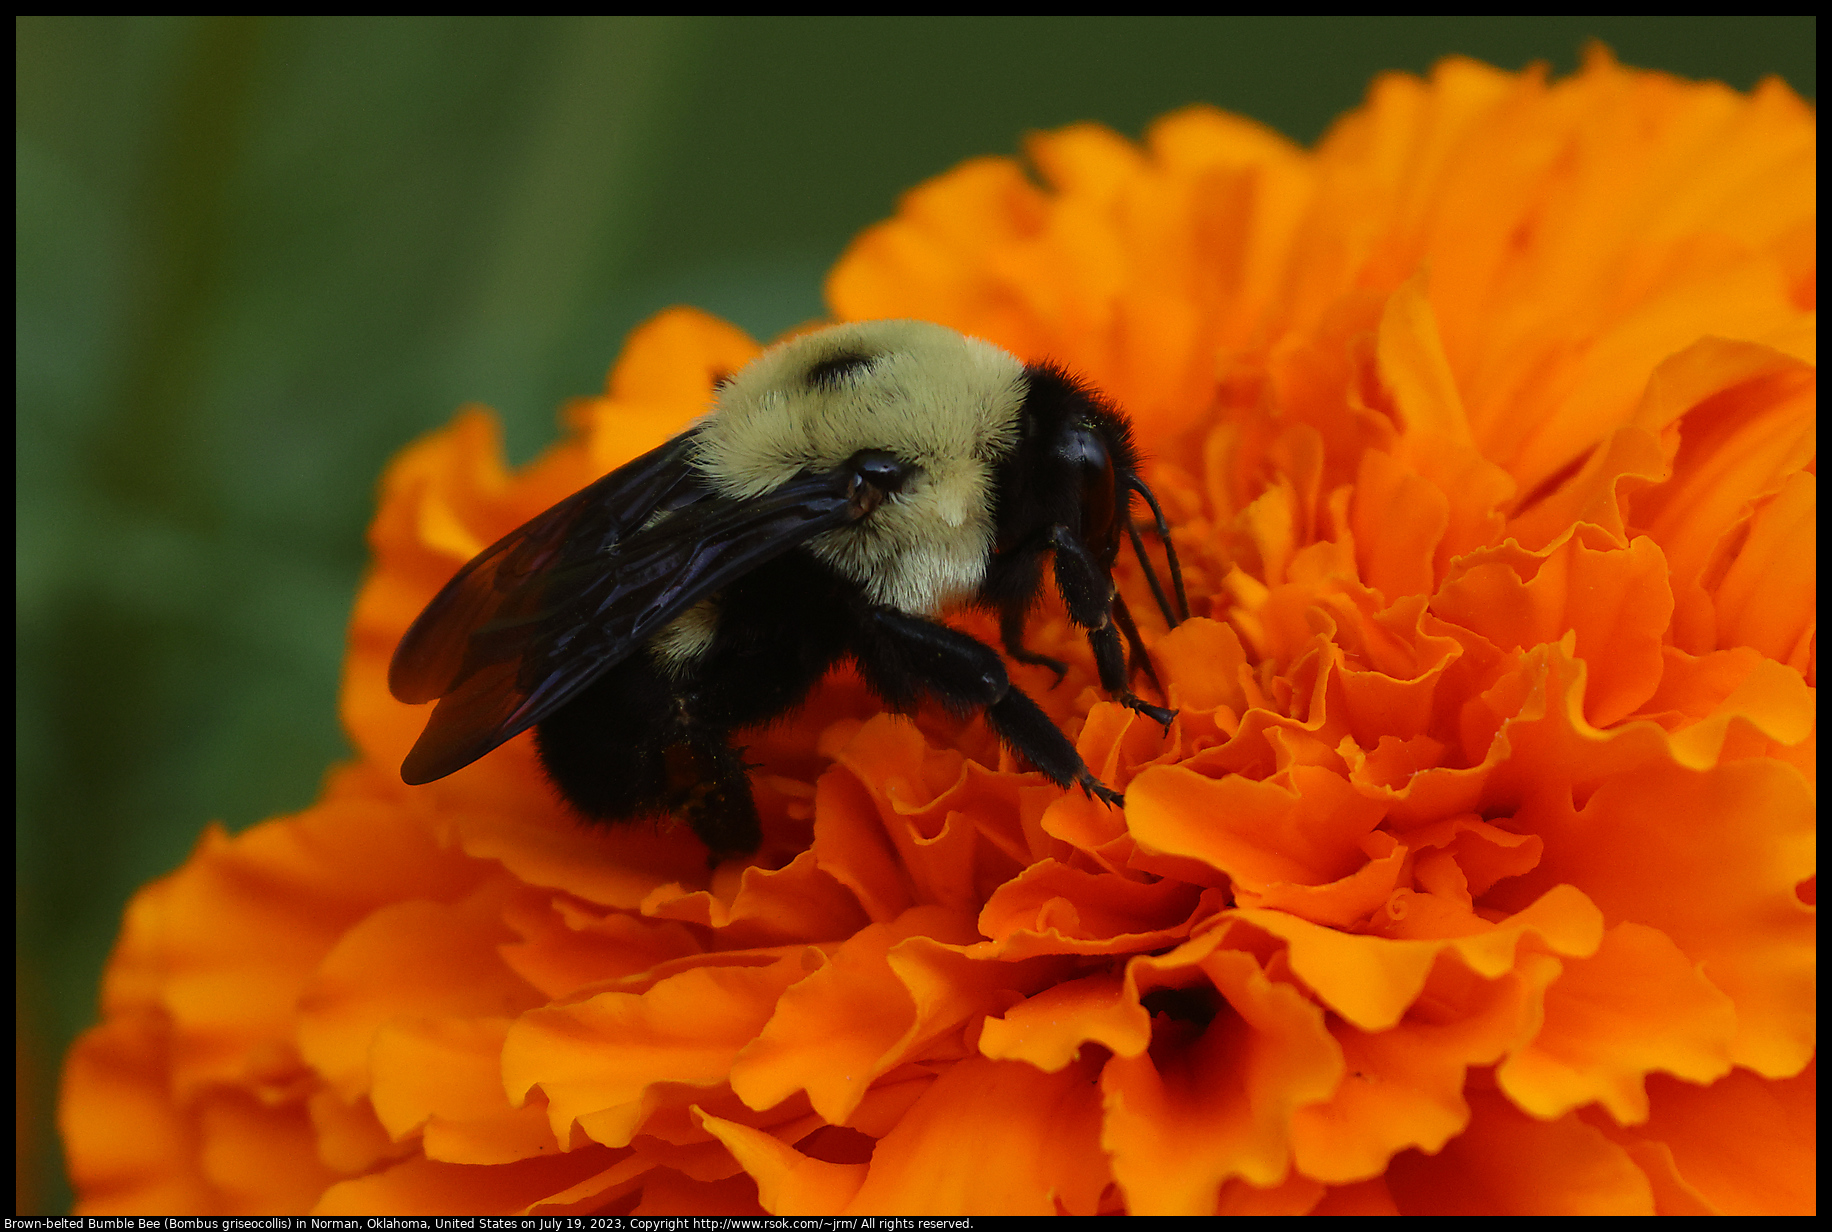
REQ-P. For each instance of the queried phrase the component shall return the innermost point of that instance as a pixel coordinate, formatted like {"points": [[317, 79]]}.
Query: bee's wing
{"points": [[508, 579], [592, 606]]}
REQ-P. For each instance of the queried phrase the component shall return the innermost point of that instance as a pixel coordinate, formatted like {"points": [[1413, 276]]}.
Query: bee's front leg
{"points": [[1087, 590], [903, 656]]}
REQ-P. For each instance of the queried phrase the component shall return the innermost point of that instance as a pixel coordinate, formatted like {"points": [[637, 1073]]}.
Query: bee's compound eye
{"points": [[882, 470], [874, 475]]}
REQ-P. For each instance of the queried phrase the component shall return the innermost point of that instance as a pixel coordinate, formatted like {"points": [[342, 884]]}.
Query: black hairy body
{"points": [[640, 742], [637, 625]]}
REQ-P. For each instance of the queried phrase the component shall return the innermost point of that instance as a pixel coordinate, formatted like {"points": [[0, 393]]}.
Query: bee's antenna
{"points": [[1170, 555], [1151, 575]]}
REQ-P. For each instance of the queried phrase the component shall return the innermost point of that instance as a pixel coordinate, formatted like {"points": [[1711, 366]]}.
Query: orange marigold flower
{"points": [[1476, 873]]}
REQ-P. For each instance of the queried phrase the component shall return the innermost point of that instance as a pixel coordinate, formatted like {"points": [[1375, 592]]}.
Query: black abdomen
{"points": [[644, 741]]}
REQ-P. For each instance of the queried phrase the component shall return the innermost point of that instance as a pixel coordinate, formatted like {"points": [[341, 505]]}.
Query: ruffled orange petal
{"points": [[1404, 1087], [681, 1034], [131, 1147], [423, 1187], [566, 945], [1372, 980], [926, 989], [1507, 1163], [788, 1181], [1768, 598], [842, 1027], [1049, 1029], [1211, 1103], [1739, 838], [413, 960], [993, 1138], [1261, 834], [770, 906], [1635, 1006], [1741, 1146], [1053, 908], [443, 1078]]}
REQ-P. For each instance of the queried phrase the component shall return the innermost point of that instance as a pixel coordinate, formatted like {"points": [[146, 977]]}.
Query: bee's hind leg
{"points": [[622, 750], [708, 785]]}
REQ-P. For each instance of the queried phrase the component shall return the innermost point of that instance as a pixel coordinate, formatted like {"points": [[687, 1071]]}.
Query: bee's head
{"points": [[940, 408]]}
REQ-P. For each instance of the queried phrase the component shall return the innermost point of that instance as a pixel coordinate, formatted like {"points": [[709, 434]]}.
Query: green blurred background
{"points": [[256, 256]]}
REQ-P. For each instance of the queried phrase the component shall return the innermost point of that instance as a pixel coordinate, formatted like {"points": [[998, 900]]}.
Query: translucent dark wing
{"points": [[507, 579], [596, 603]]}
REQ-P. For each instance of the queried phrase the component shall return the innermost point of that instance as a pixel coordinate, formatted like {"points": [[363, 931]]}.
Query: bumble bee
{"points": [[848, 486]]}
